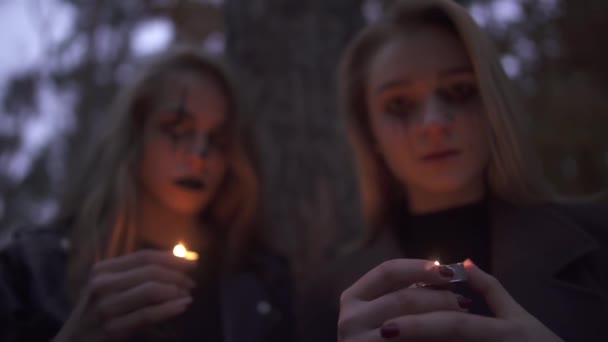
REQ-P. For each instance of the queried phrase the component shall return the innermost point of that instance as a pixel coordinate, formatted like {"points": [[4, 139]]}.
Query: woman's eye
{"points": [[217, 141], [398, 107], [459, 92], [176, 131]]}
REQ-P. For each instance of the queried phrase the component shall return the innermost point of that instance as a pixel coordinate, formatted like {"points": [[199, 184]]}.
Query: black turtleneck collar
{"points": [[449, 235]]}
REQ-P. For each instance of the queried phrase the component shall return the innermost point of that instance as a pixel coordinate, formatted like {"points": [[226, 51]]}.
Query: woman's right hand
{"points": [[389, 291], [128, 293]]}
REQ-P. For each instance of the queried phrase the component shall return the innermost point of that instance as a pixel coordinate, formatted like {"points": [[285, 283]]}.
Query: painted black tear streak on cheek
{"points": [[181, 116]]}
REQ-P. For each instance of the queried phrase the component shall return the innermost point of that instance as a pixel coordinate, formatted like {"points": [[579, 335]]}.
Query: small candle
{"points": [[181, 252]]}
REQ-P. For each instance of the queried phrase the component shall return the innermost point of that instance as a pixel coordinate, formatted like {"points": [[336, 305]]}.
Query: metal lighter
{"points": [[459, 274]]}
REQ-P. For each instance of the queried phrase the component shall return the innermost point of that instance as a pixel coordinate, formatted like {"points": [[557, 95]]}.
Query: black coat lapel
{"points": [[532, 248]]}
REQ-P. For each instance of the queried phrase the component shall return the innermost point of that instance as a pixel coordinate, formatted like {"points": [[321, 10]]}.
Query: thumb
{"points": [[495, 295]]}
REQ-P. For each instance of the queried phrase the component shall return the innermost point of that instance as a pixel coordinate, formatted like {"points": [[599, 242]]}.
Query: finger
{"points": [[445, 286], [444, 326], [124, 326], [368, 315], [393, 275], [366, 336], [495, 295], [142, 258], [143, 295], [106, 283]]}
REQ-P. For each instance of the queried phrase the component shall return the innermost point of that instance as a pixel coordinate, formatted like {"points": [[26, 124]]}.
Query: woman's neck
{"points": [[423, 202], [161, 226]]}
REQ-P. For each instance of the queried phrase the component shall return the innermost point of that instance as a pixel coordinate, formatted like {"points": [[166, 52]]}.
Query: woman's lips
{"points": [[192, 184], [440, 155]]}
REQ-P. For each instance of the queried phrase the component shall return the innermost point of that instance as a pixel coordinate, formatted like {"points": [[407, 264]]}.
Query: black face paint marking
{"points": [[181, 115], [181, 108], [186, 140], [204, 149]]}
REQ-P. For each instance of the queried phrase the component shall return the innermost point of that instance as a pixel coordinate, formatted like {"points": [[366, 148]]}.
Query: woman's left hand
{"points": [[512, 322]]}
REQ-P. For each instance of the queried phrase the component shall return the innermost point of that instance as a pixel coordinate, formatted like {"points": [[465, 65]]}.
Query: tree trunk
{"points": [[285, 55]]}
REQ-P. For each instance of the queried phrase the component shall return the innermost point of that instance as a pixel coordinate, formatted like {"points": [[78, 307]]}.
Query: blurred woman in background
{"points": [[446, 174], [169, 168]]}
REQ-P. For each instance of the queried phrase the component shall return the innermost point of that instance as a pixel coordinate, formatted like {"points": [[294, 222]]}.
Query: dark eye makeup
{"points": [[398, 106], [458, 92]]}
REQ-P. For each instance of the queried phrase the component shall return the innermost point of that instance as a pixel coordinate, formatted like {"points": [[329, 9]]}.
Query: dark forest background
{"points": [[285, 55]]}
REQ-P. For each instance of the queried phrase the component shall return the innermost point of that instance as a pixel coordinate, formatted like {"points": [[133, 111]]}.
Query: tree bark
{"points": [[285, 54]]}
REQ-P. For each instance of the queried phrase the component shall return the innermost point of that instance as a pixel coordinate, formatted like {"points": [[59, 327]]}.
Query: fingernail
{"points": [[390, 330], [446, 272], [464, 302]]}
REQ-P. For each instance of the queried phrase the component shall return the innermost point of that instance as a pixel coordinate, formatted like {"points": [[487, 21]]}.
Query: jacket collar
{"points": [[525, 241]]}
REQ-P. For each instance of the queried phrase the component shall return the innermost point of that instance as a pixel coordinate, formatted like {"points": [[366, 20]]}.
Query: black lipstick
{"points": [[189, 183]]}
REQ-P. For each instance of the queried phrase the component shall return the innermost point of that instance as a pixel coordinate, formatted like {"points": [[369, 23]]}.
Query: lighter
{"points": [[459, 284], [459, 274]]}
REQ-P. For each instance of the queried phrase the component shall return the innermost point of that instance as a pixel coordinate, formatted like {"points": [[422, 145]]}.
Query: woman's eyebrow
{"points": [[465, 69], [391, 84]]}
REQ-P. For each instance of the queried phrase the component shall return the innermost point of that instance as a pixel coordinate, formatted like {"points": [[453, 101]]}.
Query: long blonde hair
{"points": [[101, 204], [512, 174]]}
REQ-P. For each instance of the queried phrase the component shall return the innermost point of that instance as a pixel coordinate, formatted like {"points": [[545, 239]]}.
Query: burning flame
{"points": [[436, 261], [181, 252]]}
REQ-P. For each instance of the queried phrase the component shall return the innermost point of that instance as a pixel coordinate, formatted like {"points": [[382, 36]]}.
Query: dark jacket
{"points": [[553, 259], [255, 303]]}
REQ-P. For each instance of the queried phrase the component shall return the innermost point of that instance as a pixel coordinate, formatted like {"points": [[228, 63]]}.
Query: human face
{"points": [[426, 117], [183, 160]]}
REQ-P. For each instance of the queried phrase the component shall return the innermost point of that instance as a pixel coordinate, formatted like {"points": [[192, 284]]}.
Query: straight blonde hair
{"points": [[100, 206], [512, 175]]}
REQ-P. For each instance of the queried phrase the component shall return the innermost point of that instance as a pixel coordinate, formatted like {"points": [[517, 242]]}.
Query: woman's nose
{"points": [[200, 146], [434, 113]]}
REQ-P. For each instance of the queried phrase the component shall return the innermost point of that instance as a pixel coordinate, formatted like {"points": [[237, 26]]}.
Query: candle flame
{"points": [[437, 263], [180, 251]]}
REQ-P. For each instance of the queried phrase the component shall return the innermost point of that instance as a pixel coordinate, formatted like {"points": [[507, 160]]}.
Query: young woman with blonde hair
{"points": [[169, 167], [446, 174]]}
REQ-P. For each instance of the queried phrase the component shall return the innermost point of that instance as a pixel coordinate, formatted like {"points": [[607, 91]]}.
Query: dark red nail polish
{"points": [[390, 330], [446, 272], [464, 302]]}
